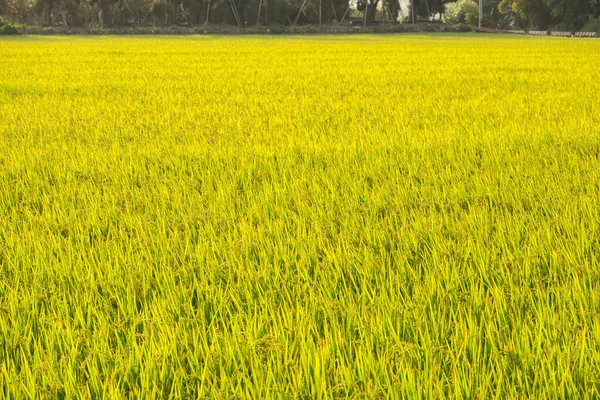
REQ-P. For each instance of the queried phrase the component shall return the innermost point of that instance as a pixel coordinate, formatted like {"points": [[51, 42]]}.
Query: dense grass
{"points": [[355, 216]]}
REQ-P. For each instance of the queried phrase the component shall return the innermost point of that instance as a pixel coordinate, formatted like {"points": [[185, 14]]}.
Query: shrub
{"points": [[593, 25], [463, 28], [9, 30], [462, 12]]}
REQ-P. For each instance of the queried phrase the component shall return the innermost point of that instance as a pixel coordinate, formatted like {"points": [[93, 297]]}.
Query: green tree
{"points": [[493, 17], [428, 9], [571, 15], [528, 13], [103, 9], [462, 12], [370, 6], [392, 9], [136, 12], [192, 11]]}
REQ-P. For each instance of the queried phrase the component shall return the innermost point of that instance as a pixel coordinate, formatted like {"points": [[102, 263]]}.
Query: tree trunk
{"points": [[372, 10]]}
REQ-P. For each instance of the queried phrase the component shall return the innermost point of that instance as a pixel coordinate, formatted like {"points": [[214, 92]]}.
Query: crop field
{"points": [[394, 216]]}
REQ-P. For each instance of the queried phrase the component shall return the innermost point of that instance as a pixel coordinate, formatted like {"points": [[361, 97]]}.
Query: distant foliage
{"points": [[6, 29], [135, 13], [566, 15], [525, 14], [593, 25], [462, 12]]}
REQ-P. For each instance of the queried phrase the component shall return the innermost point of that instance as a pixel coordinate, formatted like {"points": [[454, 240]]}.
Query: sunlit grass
{"points": [[277, 217]]}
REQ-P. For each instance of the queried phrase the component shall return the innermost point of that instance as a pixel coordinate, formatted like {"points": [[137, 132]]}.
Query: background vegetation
{"points": [[307, 217], [568, 15]]}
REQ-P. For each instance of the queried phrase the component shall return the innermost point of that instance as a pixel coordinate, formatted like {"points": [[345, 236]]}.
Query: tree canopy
{"points": [[569, 15]]}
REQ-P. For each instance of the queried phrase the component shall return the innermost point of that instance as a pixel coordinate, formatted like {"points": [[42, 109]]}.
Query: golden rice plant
{"points": [[394, 216]]}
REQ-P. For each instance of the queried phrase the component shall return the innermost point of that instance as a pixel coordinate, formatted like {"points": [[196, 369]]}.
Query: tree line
{"points": [[568, 15]]}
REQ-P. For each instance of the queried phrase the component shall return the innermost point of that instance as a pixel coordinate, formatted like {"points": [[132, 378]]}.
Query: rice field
{"points": [[393, 216]]}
